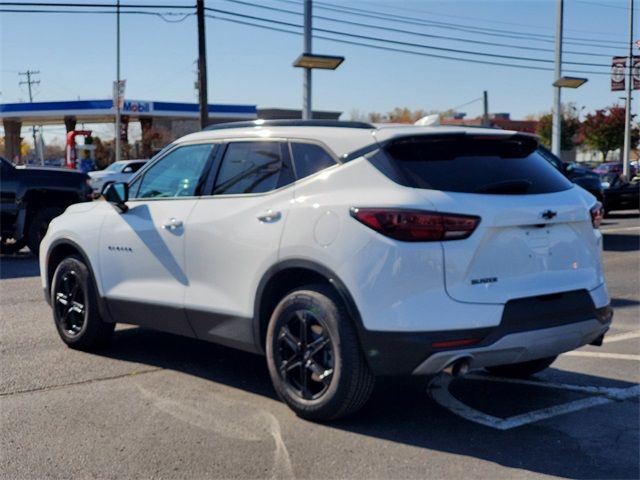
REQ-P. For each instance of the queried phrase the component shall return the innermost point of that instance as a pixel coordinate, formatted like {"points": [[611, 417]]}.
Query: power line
{"points": [[410, 52], [402, 43], [92, 5], [162, 16], [475, 20], [369, 38], [620, 7], [465, 104], [419, 34], [453, 26]]}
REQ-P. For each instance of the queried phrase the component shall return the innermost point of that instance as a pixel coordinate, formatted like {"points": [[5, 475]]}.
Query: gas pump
{"points": [[71, 154]]}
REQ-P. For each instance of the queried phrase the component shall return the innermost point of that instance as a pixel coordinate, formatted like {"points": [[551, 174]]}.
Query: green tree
{"points": [[603, 130], [569, 129]]}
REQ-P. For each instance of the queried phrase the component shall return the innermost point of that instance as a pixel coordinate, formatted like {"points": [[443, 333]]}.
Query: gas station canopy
{"points": [[102, 111]]}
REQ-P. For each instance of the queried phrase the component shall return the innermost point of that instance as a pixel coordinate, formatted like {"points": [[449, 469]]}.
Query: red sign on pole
{"points": [[635, 72], [618, 67]]}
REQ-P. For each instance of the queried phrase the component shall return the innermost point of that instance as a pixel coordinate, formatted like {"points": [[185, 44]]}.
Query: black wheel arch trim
{"points": [[317, 268], [102, 304]]}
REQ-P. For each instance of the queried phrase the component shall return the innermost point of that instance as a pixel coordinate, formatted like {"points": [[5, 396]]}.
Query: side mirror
{"points": [[127, 170], [117, 194]]}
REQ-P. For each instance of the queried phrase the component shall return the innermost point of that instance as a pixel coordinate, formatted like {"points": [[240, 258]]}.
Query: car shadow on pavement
{"points": [[620, 243], [623, 302], [19, 265], [619, 215], [401, 411]]}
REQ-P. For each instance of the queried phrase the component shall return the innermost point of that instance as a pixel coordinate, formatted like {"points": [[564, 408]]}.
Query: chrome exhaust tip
{"points": [[458, 368]]}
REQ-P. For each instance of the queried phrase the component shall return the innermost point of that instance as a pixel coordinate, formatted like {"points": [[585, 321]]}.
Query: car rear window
{"points": [[470, 164]]}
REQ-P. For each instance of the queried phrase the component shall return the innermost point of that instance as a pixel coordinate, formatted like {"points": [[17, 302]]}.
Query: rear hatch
{"points": [[535, 235]]}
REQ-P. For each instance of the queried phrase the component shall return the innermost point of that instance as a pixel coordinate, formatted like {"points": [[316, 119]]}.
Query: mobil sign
{"points": [[134, 106]]}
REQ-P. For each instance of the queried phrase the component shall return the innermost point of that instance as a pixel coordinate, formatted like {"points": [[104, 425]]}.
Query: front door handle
{"points": [[172, 224], [270, 217]]}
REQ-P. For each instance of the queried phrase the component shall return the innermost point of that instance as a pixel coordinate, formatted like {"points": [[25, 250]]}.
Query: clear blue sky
{"points": [[75, 54]]}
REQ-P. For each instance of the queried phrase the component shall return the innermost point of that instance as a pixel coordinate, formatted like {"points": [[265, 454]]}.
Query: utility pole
{"points": [[556, 125], [306, 88], [117, 92], [29, 82], [202, 67], [626, 154], [485, 111]]}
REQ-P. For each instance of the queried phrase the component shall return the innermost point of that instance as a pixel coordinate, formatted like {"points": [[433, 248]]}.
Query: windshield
{"points": [[114, 167]]}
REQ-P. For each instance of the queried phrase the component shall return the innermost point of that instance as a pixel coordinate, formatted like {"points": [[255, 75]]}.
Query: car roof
{"points": [[341, 137]]}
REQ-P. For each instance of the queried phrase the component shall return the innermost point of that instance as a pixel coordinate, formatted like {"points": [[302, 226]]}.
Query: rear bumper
{"points": [[519, 347], [530, 328]]}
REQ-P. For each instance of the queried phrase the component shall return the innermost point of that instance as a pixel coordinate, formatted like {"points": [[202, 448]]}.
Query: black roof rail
{"points": [[290, 123]]}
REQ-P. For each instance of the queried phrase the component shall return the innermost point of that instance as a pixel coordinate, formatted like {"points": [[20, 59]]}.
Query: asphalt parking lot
{"points": [[157, 406]]}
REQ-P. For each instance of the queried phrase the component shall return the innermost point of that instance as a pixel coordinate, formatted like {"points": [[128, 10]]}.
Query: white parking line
{"points": [[613, 356], [606, 391], [620, 229], [439, 392], [621, 336]]}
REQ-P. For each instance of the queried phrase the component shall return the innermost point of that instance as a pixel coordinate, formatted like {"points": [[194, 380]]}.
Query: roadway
{"points": [[155, 405]]}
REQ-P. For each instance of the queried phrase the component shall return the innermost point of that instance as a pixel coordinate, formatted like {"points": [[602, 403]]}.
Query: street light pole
{"points": [[627, 117], [306, 87], [557, 105], [117, 92], [202, 67]]}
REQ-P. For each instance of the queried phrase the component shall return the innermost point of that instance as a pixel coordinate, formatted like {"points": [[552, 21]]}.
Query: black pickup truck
{"points": [[30, 198]]}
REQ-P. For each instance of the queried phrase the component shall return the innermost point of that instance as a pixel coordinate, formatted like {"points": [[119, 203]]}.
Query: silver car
{"points": [[120, 171]]}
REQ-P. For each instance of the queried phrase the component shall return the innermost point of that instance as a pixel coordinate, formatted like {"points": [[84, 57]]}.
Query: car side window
{"points": [[309, 158], [252, 167], [177, 174], [134, 167]]}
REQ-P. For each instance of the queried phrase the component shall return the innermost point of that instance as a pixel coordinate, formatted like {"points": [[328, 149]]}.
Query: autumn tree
{"points": [[397, 115], [569, 128], [603, 130]]}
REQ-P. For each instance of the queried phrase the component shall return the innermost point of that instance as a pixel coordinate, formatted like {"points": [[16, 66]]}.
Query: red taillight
{"points": [[416, 225], [462, 342], [597, 212]]}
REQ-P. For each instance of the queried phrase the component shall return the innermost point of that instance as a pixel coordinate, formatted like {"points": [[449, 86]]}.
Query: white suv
{"points": [[341, 251]]}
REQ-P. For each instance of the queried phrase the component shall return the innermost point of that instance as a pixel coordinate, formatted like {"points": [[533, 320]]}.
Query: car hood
{"points": [[99, 174], [49, 172]]}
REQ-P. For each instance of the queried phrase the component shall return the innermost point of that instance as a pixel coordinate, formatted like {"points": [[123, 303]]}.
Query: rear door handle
{"points": [[172, 224], [270, 217]]}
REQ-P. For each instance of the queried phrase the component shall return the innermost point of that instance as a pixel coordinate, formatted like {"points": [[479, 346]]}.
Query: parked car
{"points": [[613, 167], [120, 171], [579, 175], [341, 251], [620, 194], [31, 198]]}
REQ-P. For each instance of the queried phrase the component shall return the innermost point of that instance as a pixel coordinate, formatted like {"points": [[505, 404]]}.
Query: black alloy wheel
{"points": [[304, 355], [314, 357], [70, 303], [74, 301]]}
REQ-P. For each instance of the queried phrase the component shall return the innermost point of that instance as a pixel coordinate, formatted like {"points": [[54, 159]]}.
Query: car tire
{"points": [[9, 246], [75, 306], [314, 357], [522, 370], [38, 225]]}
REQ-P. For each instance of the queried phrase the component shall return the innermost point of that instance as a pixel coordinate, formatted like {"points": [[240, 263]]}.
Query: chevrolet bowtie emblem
{"points": [[548, 214]]}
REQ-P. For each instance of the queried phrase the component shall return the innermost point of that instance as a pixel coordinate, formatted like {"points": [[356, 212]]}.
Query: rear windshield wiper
{"points": [[505, 187]]}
